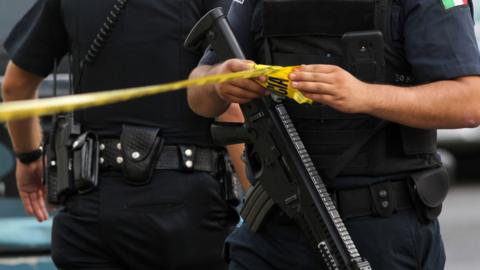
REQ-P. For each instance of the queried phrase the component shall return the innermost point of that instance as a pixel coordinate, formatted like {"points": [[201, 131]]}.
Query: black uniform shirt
{"points": [[145, 48], [439, 44]]}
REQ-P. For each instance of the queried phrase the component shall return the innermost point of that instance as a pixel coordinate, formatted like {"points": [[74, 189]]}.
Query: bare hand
{"points": [[333, 86], [240, 90], [31, 190]]}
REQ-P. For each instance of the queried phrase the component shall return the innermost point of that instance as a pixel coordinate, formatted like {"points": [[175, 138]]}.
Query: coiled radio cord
{"points": [[104, 33]]}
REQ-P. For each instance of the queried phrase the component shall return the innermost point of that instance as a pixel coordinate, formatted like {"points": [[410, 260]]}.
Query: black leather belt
{"points": [[381, 199], [172, 157]]}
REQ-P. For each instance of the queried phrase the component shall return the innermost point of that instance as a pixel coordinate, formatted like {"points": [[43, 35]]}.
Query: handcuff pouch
{"points": [[428, 190], [141, 147]]}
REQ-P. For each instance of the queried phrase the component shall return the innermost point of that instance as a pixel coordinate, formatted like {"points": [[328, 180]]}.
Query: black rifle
{"points": [[283, 169]]}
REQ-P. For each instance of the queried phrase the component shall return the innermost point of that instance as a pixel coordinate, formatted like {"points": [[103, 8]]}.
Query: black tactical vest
{"points": [[293, 32]]}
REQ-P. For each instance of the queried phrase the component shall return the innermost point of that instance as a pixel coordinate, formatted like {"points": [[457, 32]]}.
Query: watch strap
{"points": [[29, 157]]}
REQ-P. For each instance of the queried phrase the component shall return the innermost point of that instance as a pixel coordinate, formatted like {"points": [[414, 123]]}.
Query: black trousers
{"points": [[399, 242], [177, 221]]}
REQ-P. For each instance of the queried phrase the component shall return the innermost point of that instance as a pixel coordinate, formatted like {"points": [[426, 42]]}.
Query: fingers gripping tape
{"points": [[277, 82]]}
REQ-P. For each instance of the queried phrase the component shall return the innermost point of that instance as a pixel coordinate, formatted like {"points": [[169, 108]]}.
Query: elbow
{"points": [[12, 90], [9, 90], [199, 104], [193, 103], [203, 100], [471, 115], [202, 106], [471, 108], [19, 84], [473, 121], [191, 95], [472, 125]]}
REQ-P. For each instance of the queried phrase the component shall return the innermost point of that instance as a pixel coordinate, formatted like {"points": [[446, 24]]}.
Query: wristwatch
{"points": [[29, 157]]}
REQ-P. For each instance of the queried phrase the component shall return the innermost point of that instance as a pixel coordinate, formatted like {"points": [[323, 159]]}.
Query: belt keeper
{"points": [[383, 200], [187, 154]]}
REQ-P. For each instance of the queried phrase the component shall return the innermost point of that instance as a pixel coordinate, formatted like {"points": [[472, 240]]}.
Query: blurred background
{"points": [[25, 244]]}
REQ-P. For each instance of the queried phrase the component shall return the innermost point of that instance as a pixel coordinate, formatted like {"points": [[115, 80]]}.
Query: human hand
{"points": [[332, 86], [31, 189], [240, 90]]}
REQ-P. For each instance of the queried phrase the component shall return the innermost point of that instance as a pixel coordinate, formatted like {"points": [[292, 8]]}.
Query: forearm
{"points": [[442, 104], [204, 100], [21, 85], [26, 135]]}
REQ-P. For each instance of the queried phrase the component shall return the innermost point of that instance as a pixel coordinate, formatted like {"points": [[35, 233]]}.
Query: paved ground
{"points": [[460, 224]]}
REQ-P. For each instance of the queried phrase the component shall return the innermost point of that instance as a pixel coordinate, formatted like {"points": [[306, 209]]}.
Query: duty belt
{"points": [[172, 157], [381, 199]]}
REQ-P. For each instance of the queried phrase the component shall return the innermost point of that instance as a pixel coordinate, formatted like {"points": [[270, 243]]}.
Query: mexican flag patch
{"points": [[454, 3]]}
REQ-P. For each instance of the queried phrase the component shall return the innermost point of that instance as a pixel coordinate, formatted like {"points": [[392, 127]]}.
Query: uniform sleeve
{"points": [[439, 40], [211, 4], [239, 16], [38, 39]]}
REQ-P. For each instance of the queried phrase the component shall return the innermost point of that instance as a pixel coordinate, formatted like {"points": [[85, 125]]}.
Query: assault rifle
{"points": [[283, 169]]}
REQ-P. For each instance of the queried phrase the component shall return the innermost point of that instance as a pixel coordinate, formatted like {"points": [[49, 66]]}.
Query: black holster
{"points": [[85, 155], [428, 190], [231, 188], [72, 161], [141, 147]]}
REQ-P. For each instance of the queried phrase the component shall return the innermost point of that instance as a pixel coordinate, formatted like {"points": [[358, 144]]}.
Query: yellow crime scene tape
{"points": [[277, 82]]}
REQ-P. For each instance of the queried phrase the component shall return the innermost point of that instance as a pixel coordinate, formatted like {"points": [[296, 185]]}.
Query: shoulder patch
{"points": [[448, 4]]}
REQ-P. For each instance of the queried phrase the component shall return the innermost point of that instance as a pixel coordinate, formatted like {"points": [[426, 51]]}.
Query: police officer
{"points": [[430, 81], [174, 219]]}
